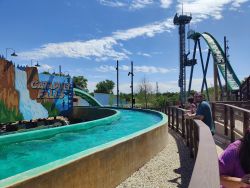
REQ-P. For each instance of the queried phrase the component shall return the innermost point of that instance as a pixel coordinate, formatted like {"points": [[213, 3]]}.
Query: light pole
{"points": [[117, 68], [14, 54], [131, 81], [37, 65]]}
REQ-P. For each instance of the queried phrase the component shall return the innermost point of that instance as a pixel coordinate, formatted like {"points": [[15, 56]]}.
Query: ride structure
{"points": [[221, 62], [182, 19]]}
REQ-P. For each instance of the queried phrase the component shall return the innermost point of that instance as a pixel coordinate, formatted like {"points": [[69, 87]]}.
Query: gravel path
{"points": [[172, 167]]}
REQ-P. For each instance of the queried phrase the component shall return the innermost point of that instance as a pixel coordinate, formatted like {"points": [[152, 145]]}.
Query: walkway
{"points": [[172, 167]]}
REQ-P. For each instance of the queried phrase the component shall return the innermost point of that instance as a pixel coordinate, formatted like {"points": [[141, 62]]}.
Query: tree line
{"points": [[144, 94]]}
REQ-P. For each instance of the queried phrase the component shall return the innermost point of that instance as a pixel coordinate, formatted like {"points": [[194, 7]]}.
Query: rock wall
{"points": [[8, 93], [32, 74]]}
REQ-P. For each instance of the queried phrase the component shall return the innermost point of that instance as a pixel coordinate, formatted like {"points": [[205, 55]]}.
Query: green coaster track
{"points": [[232, 79], [84, 95]]}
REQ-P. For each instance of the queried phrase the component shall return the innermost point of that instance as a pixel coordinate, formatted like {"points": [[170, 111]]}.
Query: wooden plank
{"points": [[232, 124], [225, 120], [196, 137], [191, 143], [188, 131], [168, 116], [245, 126], [182, 124], [206, 169], [177, 119], [172, 118]]}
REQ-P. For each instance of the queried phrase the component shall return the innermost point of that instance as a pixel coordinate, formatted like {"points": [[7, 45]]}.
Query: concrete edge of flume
{"points": [[55, 164]]}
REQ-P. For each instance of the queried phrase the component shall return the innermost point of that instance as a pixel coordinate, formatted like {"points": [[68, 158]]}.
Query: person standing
{"points": [[192, 104], [203, 111], [234, 164]]}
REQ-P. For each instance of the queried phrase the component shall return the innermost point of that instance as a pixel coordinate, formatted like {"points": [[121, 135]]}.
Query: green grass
{"points": [[8, 115], [52, 109]]}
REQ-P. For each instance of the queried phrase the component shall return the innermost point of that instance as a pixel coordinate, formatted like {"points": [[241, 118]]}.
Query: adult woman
{"points": [[192, 104], [234, 164]]}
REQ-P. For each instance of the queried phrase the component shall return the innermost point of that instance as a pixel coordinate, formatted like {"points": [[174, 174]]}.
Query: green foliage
{"points": [[52, 109], [8, 115], [242, 81], [111, 99], [80, 81], [105, 87], [121, 98], [57, 74]]}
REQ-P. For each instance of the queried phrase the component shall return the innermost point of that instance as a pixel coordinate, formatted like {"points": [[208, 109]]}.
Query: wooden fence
{"points": [[201, 146], [235, 118]]}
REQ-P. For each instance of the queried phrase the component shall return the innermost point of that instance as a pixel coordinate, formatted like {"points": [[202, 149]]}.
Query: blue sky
{"points": [[88, 37]]}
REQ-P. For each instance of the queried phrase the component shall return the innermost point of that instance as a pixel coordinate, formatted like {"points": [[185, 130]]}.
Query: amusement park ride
{"points": [[220, 60]]}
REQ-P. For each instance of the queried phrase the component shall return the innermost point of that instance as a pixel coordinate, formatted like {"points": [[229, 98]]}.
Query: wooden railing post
{"points": [[169, 116], [191, 143], [182, 124], [172, 117], [195, 139], [245, 125], [213, 113], [188, 130], [177, 120], [225, 119], [231, 114]]}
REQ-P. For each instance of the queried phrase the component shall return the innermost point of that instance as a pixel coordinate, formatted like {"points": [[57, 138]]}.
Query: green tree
{"points": [[242, 81], [105, 86], [80, 81], [144, 92], [111, 99], [45, 72], [121, 98]]}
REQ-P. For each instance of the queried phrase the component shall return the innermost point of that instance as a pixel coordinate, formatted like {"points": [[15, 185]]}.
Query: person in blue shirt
{"points": [[203, 112]]}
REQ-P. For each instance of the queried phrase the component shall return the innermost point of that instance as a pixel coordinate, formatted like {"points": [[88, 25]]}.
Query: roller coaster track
{"points": [[84, 95], [232, 79]]}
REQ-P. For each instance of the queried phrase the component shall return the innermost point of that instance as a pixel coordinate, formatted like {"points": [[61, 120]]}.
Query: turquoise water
{"points": [[19, 157]]}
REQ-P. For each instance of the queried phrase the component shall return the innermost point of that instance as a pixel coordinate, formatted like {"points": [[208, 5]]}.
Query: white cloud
{"points": [[166, 3], [112, 4], [44, 67], [101, 49], [104, 68], [148, 30], [146, 55], [124, 67], [150, 69], [138, 4], [91, 86], [144, 69], [156, 52], [90, 76], [126, 51], [205, 8]]}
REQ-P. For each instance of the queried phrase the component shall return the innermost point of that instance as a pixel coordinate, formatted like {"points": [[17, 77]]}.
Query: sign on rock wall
{"points": [[27, 95]]}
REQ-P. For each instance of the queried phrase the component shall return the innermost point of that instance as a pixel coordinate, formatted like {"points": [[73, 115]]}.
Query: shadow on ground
{"points": [[186, 163]]}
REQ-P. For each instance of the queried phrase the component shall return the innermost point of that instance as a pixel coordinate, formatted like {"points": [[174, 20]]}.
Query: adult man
{"points": [[203, 111]]}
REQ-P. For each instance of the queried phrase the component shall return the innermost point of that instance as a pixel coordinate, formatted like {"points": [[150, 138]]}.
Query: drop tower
{"points": [[182, 19]]}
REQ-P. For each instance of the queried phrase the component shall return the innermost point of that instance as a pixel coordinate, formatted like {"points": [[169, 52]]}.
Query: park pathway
{"points": [[172, 167]]}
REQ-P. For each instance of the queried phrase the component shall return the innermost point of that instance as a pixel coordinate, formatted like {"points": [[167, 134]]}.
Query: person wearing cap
{"points": [[203, 112], [234, 164]]}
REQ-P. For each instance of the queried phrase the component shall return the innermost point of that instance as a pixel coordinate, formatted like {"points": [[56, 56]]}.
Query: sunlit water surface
{"points": [[19, 157]]}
